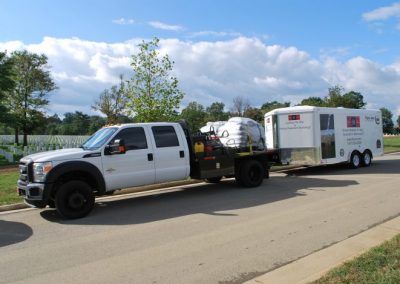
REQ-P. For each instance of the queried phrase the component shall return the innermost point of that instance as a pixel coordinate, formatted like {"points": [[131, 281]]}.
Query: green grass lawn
{"points": [[379, 265], [8, 185], [391, 144]]}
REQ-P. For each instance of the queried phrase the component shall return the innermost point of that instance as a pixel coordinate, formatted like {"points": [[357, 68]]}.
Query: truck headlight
{"points": [[40, 171]]}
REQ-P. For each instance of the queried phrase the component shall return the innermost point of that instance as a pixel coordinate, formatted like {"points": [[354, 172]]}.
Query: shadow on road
{"points": [[206, 198], [13, 232]]}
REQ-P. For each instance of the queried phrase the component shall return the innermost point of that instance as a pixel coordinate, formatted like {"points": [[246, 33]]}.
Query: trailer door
{"points": [[328, 143]]}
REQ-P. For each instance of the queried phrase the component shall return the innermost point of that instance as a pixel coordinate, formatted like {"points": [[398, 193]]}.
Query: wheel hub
{"points": [[76, 200]]}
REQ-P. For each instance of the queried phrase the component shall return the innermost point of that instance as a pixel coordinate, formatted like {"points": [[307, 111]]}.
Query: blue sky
{"points": [[271, 50]]}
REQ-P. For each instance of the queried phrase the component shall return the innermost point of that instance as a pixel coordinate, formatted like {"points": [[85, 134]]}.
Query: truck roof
{"points": [[142, 124], [315, 108]]}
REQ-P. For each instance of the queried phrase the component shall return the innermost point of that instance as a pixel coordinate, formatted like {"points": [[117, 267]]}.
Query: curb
{"points": [[315, 265]]}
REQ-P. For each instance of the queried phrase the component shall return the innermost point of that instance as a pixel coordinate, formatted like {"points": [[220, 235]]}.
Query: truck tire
{"points": [[355, 160], [74, 199], [366, 159], [251, 174], [213, 180]]}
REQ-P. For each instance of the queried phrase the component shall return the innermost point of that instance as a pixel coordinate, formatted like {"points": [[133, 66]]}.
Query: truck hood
{"points": [[58, 155]]}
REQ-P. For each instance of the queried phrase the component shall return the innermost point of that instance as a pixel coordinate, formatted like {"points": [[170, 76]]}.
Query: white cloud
{"points": [[383, 13], [215, 34], [123, 21], [213, 71], [162, 26]]}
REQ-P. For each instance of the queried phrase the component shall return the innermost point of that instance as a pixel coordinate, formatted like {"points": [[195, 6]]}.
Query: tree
{"points": [[112, 102], [153, 93], [254, 113], [29, 95], [240, 105], [195, 115], [387, 121], [313, 101], [268, 106], [76, 123], [215, 112], [6, 82], [353, 100], [348, 100]]}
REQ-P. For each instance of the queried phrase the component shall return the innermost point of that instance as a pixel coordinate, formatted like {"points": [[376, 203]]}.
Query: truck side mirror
{"points": [[117, 147]]}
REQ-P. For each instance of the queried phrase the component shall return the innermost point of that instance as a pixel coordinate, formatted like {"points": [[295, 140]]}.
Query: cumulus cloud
{"points": [[214, 71], [163, 26], [383, 13], [123, 21]]}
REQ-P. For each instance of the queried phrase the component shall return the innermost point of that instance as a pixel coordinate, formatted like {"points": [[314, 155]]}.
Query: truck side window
{"points": [[134, 138], [165, 136]]}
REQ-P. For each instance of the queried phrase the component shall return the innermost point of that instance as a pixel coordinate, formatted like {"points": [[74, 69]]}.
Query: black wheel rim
{"points": [[76, 200]]}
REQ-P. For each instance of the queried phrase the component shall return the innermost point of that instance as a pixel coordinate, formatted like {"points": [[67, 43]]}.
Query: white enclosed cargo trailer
{"points": [[307, 135]]}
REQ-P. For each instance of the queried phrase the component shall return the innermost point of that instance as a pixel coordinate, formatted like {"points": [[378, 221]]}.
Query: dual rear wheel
{"points": [[357, 159]]}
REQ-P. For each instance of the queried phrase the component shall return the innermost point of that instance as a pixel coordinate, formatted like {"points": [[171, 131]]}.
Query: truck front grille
{"points": [[26, 172]]}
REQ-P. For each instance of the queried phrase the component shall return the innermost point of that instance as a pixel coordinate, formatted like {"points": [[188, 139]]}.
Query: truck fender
{"points": [[77, 166]]}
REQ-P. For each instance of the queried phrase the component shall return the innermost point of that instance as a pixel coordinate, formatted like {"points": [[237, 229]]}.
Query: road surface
{"points": [[203, 234]]}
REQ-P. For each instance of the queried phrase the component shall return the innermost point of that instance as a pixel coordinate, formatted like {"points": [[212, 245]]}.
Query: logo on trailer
{"points": [[353, 121], [377, 120], [292, 117]]}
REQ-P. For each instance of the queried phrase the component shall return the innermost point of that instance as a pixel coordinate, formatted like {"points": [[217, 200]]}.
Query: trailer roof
{"points": [[312, 109]]}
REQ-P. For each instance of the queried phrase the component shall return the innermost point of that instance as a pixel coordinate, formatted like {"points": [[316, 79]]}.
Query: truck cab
{"points": [[113, 158]]}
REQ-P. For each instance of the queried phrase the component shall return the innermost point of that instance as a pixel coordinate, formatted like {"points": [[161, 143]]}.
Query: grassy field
{"points": [[379, 265], [391, 144], [8, 184]]}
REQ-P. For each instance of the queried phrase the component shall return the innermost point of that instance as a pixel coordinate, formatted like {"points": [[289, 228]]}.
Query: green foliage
{"points": [[112, 102], [351, 99], [195, 115], [6, 82], [268, 106], [215, 112], [387, 121], [254, 113], [29, 95], [153, 94], [313, 101]]}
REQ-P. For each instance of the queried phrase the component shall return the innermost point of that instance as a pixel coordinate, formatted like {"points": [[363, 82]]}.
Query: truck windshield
{"points": [[99, 138]]}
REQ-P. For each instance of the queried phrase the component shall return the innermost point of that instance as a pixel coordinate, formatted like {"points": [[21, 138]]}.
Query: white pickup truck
{"points": [[129, 155]]}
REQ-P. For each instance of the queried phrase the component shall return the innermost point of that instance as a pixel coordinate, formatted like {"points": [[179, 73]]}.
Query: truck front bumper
{"points": [[33, 193]]}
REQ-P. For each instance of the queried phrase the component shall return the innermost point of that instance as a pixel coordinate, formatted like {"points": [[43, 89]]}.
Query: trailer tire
{"points": [[74, 199], [213, 180], [251, 173], [355, 160], [366, 159]]}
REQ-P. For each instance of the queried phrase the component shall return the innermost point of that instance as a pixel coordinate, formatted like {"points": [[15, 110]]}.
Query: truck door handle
{"points": [[150, 157], [182, 154]]}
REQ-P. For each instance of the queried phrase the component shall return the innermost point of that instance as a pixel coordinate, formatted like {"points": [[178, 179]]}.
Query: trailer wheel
{"points": [[252, 173], [74, 199], [355, 160], [213, 180], [366, 159]]}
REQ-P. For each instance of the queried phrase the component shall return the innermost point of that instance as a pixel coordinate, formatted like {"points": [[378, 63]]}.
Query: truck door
{"points": [[171, 155], [136, 166]]}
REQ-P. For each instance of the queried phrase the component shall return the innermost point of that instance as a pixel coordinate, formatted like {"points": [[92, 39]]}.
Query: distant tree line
{"points": [[151, 94]]}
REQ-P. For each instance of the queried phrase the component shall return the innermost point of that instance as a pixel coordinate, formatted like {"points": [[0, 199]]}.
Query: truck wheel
{"points": [[355, 160], [252, 173], [51, 203], [74, 199], [366, 159], [213, 180]]}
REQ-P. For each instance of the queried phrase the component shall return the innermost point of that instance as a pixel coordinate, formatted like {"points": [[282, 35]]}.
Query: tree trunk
{"points": [[16, 137], [25, 139]]}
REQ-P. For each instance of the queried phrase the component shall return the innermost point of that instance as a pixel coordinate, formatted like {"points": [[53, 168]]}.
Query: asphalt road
{"points": [[203, 234]]}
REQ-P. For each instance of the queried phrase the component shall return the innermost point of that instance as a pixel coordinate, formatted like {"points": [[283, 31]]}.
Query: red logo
{"points": [[353, 121], [294, 117]]}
